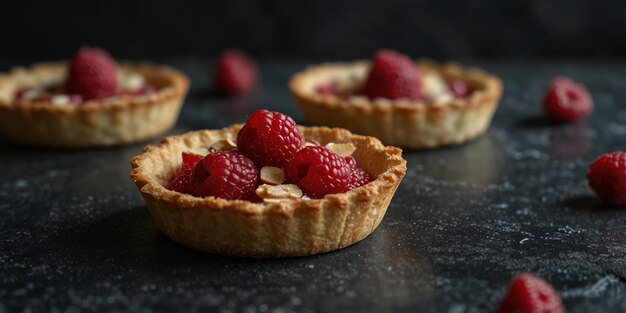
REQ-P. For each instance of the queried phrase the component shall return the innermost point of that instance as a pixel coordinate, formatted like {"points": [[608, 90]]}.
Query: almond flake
{"points": [[341, 149], [286, 191], [133, 82], [199, 151], [272, 175], [60, 100], [224, 145]]}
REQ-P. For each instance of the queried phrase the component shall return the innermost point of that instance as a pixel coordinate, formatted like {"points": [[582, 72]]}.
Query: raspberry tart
{"points": [[268, 188], [89, 101], [403, 103]]}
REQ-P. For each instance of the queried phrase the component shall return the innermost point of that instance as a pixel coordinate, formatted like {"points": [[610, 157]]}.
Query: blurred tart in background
{"points": [[403, 103], [89, 101]]}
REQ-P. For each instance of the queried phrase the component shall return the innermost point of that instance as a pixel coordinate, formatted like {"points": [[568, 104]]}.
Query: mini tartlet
{"points": [[279, 229], [102, 122], [415, 124]]}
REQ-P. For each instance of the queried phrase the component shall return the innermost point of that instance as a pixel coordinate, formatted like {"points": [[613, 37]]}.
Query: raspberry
{"points": [[328, 89], [530, 294], [269, 138], [318, 172], [393, 76], [458, 88], [567, 101], [225, 174], [607, 177], [235, 73], [190, 160], [182, 183], [359, 178], [92, 74]]}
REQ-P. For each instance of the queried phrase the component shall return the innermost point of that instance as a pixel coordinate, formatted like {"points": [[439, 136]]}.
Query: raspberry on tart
{"points": [[269, 138], [403, 103], [89, 101], [92, 74], [228, 204], [318, 172]]}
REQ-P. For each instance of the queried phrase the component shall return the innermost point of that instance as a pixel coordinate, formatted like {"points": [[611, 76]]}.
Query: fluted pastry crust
{"points": [[242, 228], [403, 123], [121, 120]]}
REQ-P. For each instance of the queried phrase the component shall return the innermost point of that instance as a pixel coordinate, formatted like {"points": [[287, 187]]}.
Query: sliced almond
{"points": [[199, 151], [60, 100], [309, 143], [224, 145], [285, 191], [272, 175], [341, 149], [133, 82]]}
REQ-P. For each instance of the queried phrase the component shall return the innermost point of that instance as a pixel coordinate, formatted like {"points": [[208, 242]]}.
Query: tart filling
{"points": [[36, 110], [456, 103], [284, 222]]}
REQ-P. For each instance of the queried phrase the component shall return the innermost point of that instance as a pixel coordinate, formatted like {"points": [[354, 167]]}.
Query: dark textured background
{"points": [[330, 29]]}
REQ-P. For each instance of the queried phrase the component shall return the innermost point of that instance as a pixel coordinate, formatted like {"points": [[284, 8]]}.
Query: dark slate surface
{"points": [[75, 235]]}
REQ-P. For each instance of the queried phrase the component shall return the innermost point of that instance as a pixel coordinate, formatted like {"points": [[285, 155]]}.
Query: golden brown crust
{"points": [[95, 123], [242, 228], [403, 123]]}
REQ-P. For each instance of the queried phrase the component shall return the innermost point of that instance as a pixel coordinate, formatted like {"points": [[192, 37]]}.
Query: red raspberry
{"points": [[225, 174], [393, 76], [190, 160], [235, 73], [359, 176], [458, 88], [269, 138], [92, 74], [567, 101], [327, 89], [607, 177], [318, 172], [182, 183], [530, 294]]}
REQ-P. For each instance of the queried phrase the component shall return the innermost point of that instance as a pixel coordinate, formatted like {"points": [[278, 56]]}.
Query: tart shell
{"points": [[120, 120], [404, 123], [292, 228]]}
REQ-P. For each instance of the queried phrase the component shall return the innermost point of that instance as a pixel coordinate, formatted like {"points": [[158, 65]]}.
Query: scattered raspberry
{"points": [[393, 76], [567, 101], [530, 294], [92, 74], [182, 183], [318, 172], [235, 73], [269, 138], [458, 88], [607, 177], [190, 160], [225, 174]]}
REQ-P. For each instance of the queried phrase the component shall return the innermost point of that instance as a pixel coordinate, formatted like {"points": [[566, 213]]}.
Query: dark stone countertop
{"points": [[76, 236]]}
